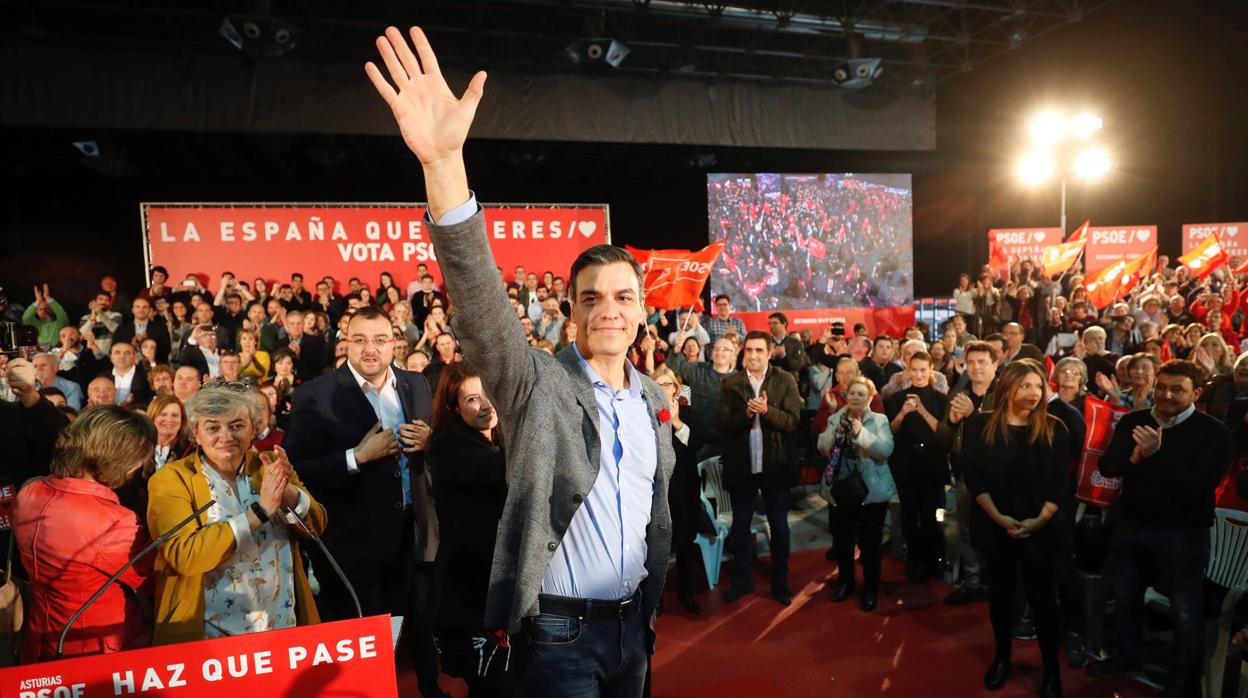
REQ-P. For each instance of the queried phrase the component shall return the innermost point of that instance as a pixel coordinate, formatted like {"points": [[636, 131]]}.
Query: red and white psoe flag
{"points": [[1060, 258], [675, 278], [1205, 257]]}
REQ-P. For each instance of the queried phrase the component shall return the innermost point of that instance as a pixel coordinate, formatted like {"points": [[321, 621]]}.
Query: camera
{"points": [[14, 336]]}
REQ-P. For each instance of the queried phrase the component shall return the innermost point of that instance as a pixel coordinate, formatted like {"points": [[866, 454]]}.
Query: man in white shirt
{"points": [[129, 377]]}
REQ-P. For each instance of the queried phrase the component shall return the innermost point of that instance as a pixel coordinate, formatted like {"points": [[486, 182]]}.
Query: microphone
{"points": [[342, 576], [60, 643]]}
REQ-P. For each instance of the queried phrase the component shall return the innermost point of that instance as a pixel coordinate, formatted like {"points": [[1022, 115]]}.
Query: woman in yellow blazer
{"points": [[255, 363], [237, 568]]}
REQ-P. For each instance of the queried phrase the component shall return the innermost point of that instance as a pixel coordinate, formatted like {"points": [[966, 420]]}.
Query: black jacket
{"points": [[685, 488], [784, 407], [469, 491], [155, 330], [28, 435], [330, 416], [916, 448], [311, 358]]}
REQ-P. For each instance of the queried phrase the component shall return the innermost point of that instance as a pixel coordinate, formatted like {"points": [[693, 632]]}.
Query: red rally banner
{"points": [[1110, 244], [270, 241], [1233, 237], [1094, 488], [675, 278], [352, 657], [1009, 245]]}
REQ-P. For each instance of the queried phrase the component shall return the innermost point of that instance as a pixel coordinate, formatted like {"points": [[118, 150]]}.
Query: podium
{"points": [[345, 658]]}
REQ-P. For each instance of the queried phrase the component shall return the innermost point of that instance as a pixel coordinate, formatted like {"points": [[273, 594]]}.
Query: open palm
{"points": [[434, 123]]}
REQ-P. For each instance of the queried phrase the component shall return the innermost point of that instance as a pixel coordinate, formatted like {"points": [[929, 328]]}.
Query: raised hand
{"points": [[434, 123]]}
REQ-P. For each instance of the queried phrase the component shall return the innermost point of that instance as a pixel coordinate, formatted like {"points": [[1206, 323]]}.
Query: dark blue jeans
{"points": [[571, 658], [1172, 559], [776, 504]]}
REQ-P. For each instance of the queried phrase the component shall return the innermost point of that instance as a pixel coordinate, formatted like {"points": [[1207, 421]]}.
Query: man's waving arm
{"points": [[434, 124]]}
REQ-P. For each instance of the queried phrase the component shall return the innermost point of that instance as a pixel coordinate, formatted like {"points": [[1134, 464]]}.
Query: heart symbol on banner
{"points": [[587, 228], [1041, 235], [1232, 230], [1145, 235]]}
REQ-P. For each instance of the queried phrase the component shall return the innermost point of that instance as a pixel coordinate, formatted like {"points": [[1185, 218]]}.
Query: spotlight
{"points": [[1036, 167], [1092, 164], [604, 51], [857, 73], [1048, 128], [90, 149], [258, 35], [1085, 125]]}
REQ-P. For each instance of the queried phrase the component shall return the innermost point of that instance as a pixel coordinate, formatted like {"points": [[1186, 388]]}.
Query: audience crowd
{"points": [[294, 409]]}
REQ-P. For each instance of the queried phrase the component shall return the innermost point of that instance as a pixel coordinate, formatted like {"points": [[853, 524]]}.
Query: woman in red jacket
{"points": [[73, 534]]}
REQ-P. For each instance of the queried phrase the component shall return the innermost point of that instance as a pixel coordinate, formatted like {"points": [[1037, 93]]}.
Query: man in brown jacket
{"points": [[758, 411]]}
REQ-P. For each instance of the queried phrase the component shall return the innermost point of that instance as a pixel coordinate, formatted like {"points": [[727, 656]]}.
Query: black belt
{"points": [[589, 609]]}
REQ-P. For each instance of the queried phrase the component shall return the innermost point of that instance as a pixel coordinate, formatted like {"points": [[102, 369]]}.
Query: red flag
{"points": [[1205, 257], [1094, 488], [1081, 233], [675, 278], [1048, 369], [817, 248], [1058, 258], [1104, 286], [1166, 354]]}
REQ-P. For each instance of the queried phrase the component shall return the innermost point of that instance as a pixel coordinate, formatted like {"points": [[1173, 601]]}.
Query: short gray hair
{"points": [[219, 400]]}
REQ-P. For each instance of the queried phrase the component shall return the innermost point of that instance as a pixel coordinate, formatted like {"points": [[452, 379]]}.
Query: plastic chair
{"points": [[1228, 567], [712, 548], [719, 507]]}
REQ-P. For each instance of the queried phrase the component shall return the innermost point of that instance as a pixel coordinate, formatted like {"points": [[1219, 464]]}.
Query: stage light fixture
{"points": [[258, 35], [1085, 125], [857, 73], [1036, 167], [1048, 128], [605, 51], [90, 149], [1093, 163]]}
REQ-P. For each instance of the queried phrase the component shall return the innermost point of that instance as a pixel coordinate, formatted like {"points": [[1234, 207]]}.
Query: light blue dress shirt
{"points": [[603, 554]]}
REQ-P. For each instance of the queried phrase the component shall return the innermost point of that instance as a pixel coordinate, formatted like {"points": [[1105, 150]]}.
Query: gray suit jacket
{"points": [[549, 418]]}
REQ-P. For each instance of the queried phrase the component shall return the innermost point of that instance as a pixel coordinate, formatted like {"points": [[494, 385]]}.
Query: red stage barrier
{"points": [[353, 657]]}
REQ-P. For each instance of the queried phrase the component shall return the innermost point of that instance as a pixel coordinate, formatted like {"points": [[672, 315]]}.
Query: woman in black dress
{"points": [[1016, 468], [683, 491], [469, 473]]}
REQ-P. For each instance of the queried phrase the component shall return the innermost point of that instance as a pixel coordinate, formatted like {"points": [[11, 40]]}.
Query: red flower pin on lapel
{"points": [[664, 416]]}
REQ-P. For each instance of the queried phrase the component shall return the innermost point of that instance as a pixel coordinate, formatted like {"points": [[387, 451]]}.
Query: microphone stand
{"points": [[342, 576], [60, 643]]}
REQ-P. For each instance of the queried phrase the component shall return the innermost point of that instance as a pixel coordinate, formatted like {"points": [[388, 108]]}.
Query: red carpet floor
{"points": [[912, 645]]}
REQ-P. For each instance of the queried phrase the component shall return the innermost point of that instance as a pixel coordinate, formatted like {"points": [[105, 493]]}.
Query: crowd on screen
{"points": [[142, 405], [842, 240]]}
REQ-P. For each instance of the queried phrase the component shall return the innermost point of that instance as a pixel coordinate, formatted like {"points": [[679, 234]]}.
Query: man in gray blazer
{"points": [[583, 543]]}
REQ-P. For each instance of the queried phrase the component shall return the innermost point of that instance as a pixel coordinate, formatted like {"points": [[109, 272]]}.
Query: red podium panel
{"points": [[347, 658]]}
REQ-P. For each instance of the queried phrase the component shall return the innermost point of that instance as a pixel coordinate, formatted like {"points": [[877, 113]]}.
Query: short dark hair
{"points": [[982, 348], [779, 316], [600, 255], [757, 334], [881, 338], [995, 337], [1183, 368], [921, 356], [296, 275], [159, 269], [427, 276], [372, 312], [723, 297]]}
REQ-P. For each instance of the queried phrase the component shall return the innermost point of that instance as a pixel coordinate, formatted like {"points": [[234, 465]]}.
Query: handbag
{"points": [[11, 610], [849, 491]]}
